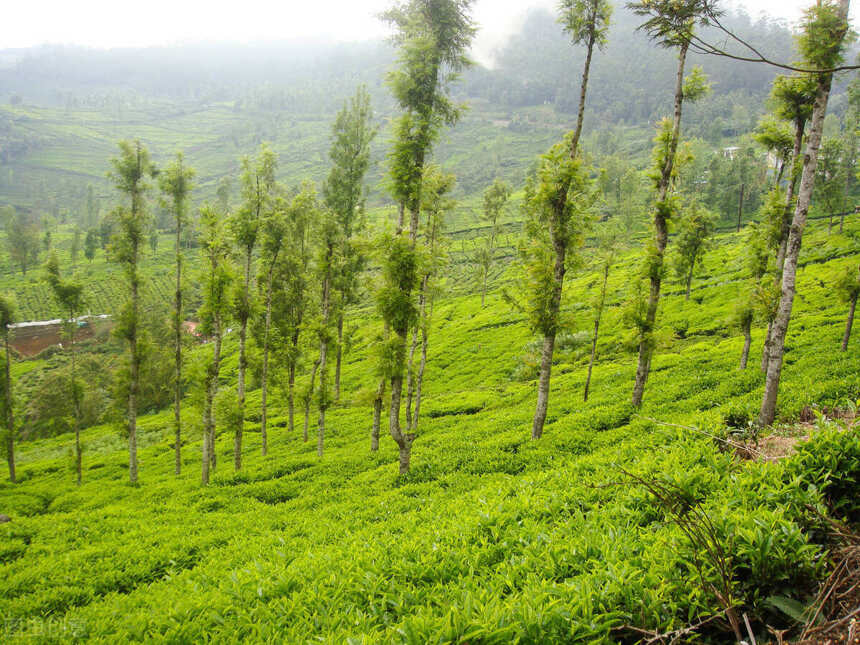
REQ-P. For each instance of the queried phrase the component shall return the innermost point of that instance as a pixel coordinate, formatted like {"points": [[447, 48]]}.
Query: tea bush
{"points": [[830, 461], [491, 538]]}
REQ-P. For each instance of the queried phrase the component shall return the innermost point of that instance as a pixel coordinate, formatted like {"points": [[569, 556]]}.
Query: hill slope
{"points": [[64, 108], [492, 537]]}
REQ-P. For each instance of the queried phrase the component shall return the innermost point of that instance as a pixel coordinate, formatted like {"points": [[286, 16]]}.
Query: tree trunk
{"points": [[849, 323], [394, 410], [339, 358], [10, 412], [394, 428], [560, 249], [264, 385], [799, 132], [740, 209], [591, 360], [415, 208], [747, 342], [410, 371], [309, 398], [377, 414], [323, 401], [377, 405], [134, 375], [543, 386], [426, 315], [213, 457], [583, 89], [661, 234], [425, 341], [294, 341], [412, 378], [597, 318], [291, 402], [322, 406], [243, 364], [78, 459], [405, 458], [177, 350], [208, 414], [401, 217], [76, 405], [549, 342], [690, 280], [418, 388], [402, 359], [795, 240], [204, 477], [404, 442], [403, 333]]}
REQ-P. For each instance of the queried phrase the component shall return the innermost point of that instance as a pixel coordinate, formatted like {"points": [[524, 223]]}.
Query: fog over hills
{"points": [[220, 100]]}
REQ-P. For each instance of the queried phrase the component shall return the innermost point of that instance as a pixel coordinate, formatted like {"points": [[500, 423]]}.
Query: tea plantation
{"points": [[492, 537]]}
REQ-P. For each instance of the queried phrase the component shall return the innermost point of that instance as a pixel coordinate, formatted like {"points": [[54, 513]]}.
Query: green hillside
{"points": [[292, 241], [491, 538], [63, 109]]}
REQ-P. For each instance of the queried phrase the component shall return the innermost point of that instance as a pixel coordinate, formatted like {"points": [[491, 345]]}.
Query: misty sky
{"points": [[108, 23]]}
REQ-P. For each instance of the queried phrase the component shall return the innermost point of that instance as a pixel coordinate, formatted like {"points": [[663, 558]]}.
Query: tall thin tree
{"points": [[382, 371], [792, 98], [7, 318], [496, 196], [22, 240], [558, 202], [822, 44], [291, 283], [776, 137], [849, 290], [759, 246], [587, 23], [70, 296], [176, 186], [352, 134], [670, 23], [609, 240], [275, 232], [329, 235], [437, 206], [433, 38], [258, 182], [216, 279], [695, 228], [130, 172]]}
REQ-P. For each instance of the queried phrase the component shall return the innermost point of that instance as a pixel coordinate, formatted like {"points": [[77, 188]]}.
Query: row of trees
{"points": [[432, 39], [259, 264], [560, 196], [29, 237], [260, 261]]}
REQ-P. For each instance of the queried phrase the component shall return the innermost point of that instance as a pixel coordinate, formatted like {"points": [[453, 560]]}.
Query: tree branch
{"points": [[704, 47]]}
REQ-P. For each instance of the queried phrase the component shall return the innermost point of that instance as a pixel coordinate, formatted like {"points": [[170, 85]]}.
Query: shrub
{"points": [[830, 460]]}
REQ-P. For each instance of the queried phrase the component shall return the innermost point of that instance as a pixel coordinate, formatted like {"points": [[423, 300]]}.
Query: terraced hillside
{"points": [[491, 538], [72, 147], [105, 290]]}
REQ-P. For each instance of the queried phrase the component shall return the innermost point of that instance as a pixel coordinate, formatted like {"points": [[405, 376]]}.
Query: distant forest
{"points": [[535, 67], [62, 108]]}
